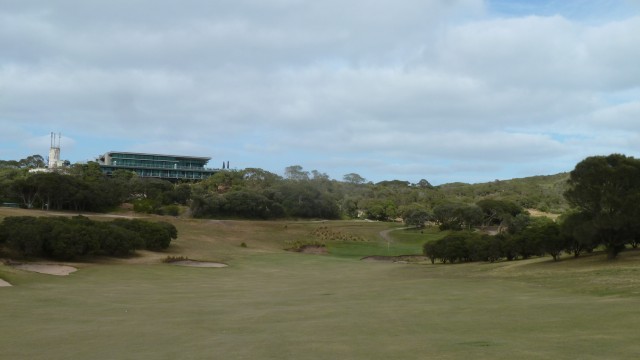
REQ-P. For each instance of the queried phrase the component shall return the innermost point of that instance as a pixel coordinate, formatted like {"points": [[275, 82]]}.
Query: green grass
{"points": [[402, 242], [272, 304]]}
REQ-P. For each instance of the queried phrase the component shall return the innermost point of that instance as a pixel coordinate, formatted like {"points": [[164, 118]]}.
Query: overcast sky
{"points": [[443, 90]]}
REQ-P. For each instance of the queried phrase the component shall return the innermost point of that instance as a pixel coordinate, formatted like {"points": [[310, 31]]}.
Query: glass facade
{"points": [[171, 167]]}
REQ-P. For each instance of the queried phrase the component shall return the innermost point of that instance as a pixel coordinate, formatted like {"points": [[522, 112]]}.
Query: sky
{"points": [[443, 90]]}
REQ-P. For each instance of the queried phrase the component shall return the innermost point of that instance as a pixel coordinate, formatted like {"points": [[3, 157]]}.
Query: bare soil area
{"points": [[49, 269]]}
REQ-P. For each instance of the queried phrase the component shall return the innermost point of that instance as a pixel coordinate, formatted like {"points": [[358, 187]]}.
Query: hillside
{"points": [[535, 192]]}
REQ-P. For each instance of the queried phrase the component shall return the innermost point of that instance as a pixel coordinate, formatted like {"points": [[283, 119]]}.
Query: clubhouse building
{"points": [[167, 167]]}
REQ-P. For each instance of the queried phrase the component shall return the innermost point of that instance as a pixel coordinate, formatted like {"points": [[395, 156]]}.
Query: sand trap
{"points": [[49, 269], [194, 263], [4, 283]]}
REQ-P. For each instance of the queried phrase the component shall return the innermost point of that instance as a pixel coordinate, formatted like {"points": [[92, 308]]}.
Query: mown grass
{"points": [[273, 304], [400, 241]]}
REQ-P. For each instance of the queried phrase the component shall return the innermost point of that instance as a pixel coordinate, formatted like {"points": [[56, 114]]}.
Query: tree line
{"points": [[598, 198], [604, 192], [252, 193], [540, 236]]}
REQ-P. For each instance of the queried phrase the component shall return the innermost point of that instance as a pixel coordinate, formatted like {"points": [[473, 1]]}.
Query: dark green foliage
{"points": [[515, 224], [252, 205], [64, 192], [308, 199], [170, 228], [155, 236], [244, 204], [451, 248], [539, 237], [579, 232], [415, 217], [25, 235], [71, 238], [606, 191], [447, 216], [456, 216], [33, 161], [380, 209], [118, 241], [497, 212], [67, 238]]}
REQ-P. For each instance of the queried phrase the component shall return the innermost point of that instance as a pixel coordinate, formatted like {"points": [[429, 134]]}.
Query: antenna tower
{"points": [[54, 151]]}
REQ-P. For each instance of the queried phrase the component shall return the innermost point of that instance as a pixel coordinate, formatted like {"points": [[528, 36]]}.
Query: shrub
{"points": [[67, 238], [117, 241], [155, 236]]}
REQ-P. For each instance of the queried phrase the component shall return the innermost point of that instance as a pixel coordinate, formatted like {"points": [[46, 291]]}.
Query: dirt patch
{"points": [[49, 269], [4, 283], [538, 213], [195, 263]]}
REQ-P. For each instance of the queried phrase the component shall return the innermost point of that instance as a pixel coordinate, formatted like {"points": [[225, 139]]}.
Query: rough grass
{"points": [[270, 304]]}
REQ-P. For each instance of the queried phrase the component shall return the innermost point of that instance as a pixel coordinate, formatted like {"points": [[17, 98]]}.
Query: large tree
{"points": [[606, 190]]}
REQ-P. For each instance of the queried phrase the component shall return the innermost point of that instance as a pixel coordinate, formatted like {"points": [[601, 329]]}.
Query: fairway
{"points": [[272, 304]]}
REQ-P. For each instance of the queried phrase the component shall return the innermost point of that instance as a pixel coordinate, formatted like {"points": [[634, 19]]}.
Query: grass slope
{"points": [[272, 304]]}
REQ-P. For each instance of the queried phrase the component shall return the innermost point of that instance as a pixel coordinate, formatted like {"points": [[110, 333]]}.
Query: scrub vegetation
{"points": [[65, 238]]}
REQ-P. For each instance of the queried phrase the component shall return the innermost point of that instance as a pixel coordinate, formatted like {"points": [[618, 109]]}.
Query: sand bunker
{"points": [[194, 263], [4, 283], [49, 269]]}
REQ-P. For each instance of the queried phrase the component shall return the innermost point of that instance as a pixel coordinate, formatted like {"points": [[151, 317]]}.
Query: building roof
{"points": [[166, 155]]}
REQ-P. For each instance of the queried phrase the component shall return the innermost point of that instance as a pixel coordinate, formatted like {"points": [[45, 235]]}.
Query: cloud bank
{"points": [[442, 90]]}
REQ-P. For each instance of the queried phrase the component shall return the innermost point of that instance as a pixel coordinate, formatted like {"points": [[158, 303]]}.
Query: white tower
{"points": [[54, 152]]}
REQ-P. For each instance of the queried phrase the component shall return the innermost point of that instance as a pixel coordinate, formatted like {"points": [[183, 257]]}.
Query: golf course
{"points": [[270, 303]]}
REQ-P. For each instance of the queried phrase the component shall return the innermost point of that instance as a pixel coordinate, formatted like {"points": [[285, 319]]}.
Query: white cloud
{"points": [[444, 88]]}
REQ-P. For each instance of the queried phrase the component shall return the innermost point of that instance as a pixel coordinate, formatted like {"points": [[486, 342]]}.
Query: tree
{"points": [[541, 236], [295, 172], [424, 184], [448, 215], [470, 216], [415, 217], [258, 179], [319, 176], [353, 178], [28, 190], [606, 190], [496, 212], [579, 232], [430, 250], [33, 161], [380, 209]]}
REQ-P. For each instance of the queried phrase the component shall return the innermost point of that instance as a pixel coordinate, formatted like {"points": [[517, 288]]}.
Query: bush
{"points": [[117, 241], [155, 236], [67, 238], [25, 235]]}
